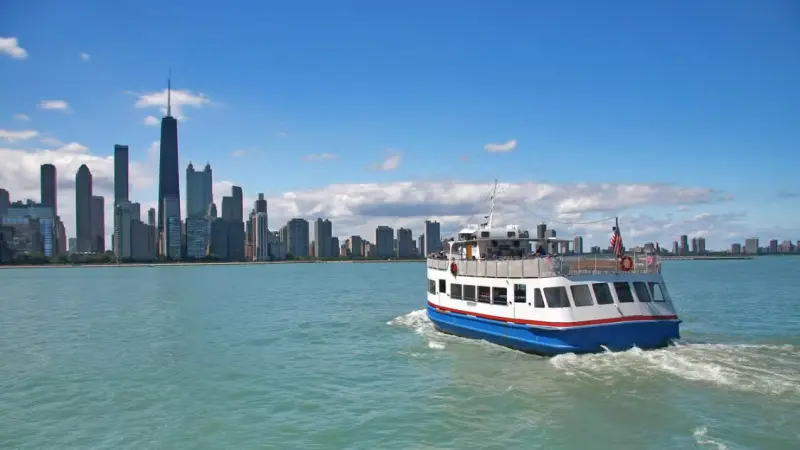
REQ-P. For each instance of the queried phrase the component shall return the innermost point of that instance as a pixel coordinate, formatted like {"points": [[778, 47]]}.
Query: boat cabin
{"points": [[481, 242]]}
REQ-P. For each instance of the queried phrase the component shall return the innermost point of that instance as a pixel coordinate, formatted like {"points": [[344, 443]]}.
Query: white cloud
{"points": [[14, 136], [85, 56], [238, 153], [21, 116], [390, 162], [360, 208], [320, 157], [51, 142], [504, 147], [10, 46], [179, 99], [20, 171], [54, 104], [151, 120]]}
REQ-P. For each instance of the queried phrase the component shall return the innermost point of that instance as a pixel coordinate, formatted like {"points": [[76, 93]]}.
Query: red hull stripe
{"points": [[556, 324]]}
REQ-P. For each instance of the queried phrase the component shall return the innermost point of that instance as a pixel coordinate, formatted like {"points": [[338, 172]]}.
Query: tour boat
{"points": [[487, 284]]}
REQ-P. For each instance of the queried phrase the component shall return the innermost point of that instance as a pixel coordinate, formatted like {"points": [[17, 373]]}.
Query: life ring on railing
{"points": [[626, 264], [454, 268]]}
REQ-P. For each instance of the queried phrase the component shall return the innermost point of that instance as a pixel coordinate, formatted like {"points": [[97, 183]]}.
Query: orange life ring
{"points": [[454, 268], [626, 264]]}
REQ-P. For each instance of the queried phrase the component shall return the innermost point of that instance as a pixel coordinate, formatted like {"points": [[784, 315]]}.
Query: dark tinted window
{"points": [[538, 299], [442, 287], [556, 297], [500, 296], [469, 292], [483, 294], [603, 294], [658, 294], [642, 293], [624, 294], [581, 295], [432, 286], [520, 296], [455, 291]]}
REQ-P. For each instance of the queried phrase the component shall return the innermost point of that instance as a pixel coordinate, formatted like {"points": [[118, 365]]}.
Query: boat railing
{"points": [[543, 267]]}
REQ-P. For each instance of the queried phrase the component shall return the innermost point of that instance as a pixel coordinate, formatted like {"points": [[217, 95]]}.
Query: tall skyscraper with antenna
{"points": [[168, 172]]}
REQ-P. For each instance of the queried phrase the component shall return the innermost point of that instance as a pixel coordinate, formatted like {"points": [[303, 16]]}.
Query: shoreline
{"points": [[185, 264]]}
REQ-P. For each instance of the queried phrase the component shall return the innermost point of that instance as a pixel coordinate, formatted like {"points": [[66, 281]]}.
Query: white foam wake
{"points": [[765, 369], [701, 437]]}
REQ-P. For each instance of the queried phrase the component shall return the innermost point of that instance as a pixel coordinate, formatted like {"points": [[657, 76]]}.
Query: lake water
{"points": [[341, 356]]}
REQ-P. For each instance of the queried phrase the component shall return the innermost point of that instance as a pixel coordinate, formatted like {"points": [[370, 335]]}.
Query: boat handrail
{"points": [[543, 267]]}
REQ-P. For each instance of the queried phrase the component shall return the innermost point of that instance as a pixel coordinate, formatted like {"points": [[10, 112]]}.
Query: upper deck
{"points": [[543, 267]]}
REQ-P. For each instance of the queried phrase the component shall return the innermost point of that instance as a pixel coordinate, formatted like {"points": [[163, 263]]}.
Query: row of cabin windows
{"points": [[556, 297]]}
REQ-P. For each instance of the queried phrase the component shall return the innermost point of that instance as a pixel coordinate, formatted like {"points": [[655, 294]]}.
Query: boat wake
{"points": [[765, 369]]}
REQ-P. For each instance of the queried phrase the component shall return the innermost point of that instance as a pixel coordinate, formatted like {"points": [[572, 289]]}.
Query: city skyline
{"points": [[336, 157]]}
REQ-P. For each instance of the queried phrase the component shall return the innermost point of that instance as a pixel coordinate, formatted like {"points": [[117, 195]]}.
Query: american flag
{"points": [[616, 241]]}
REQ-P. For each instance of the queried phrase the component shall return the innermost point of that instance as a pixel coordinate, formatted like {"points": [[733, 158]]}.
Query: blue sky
{"points": [[696, 94]]}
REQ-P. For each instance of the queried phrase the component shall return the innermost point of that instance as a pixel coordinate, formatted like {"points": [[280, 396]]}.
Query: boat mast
{"points": [[491, 208]]}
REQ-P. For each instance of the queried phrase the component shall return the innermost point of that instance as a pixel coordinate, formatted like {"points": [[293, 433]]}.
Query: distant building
{"points": [[83, 209], [751, 246], [736, 249], [121, 185], [98, 213], [49, 187], [355, 247], [335, 247], [198, 191], [5, 201], [21, 216], [197, 236], [171, 229], [433, 237], [405, 243], [297, 238], [384, 242], [675, 248], [577, 245], [125, 214], [262, 238], [323, 235], [684, 249]]}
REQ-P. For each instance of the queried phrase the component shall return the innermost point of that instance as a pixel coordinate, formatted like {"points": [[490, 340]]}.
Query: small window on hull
{"points": [[581, 295], [603, 294], [484, 295], [658, 294], [499, 296], [442, 287], [538, 298], [642, 293], [520, 294], [455, 291], [469, 293], [624, 294], [556, 297], [432, 286]]}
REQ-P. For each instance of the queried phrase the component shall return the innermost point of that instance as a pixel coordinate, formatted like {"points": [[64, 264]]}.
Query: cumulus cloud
{"points": [[20, 172], [51, 142], [21, 135], [21, 116], [502, 147], [319, 157], [179, 99], [360, 208], [390, 162], [10, 46], [151, 120], [61, 105], [85, 56]]}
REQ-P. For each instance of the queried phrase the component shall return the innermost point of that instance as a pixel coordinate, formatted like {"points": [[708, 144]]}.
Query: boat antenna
{"points": [[491, 208]]}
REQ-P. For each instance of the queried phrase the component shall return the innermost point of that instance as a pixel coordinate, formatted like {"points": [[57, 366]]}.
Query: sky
{"points": [[677, 117]]}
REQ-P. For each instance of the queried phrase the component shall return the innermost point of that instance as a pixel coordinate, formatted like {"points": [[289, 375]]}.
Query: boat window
{"points": [[581, 295], [624, 294], [603, 294], [455, 291], [641, 291], [485, 234], [469, 292], [556, 297], [499, 296], [483, 294], [510, 234], [538, 299], [432, 286], [520, 295], [658, 295], [442, 287]]}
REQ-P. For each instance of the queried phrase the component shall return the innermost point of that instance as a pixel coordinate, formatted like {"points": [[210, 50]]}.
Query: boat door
{"points": [[517, 300]]}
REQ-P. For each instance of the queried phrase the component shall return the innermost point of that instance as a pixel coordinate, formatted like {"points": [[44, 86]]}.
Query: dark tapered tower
{"points": [[83, 209], [120, 173], [168, 177], [48, 187]]}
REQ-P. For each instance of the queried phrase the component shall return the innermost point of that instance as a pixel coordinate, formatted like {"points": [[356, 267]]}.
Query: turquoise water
{"points": [[341, 356]]}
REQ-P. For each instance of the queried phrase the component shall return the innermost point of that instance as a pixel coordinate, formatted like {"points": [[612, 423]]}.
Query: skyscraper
{"points": [[49, 186], [168, 177], [198, 191], [5, 201], [323, 233], [384, 242], [120, 173], [97, 212], [83, 209]]}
